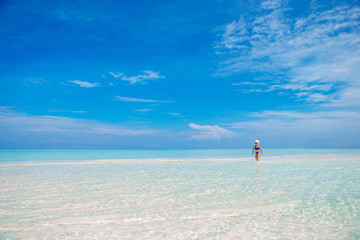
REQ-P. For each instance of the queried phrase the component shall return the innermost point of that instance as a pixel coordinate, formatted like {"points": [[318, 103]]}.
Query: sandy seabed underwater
{"points": [[302, 196]]}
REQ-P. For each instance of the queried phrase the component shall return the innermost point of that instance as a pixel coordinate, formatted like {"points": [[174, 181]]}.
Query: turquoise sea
{"points": [[93, 154], [180, 194]]}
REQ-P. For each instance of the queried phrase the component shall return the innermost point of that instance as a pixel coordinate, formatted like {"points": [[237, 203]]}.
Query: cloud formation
{"points": [[11, 120], [128, 99], [23, 130], [37, 81], [174, 114], [143, 110], [84, 84], [208, 132], [68, 111], [141, 78], [302, 129], [315, 56], [116, 75]]}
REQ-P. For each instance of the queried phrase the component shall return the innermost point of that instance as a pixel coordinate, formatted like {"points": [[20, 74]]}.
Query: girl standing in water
{"points": [[257, 149]]}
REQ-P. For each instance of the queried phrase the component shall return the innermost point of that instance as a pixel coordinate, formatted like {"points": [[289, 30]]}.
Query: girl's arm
{"points": [[253, 151], [261, 150]]}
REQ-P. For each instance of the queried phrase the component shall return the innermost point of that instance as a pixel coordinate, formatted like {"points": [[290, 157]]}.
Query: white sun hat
{"points": [[256, 141]]}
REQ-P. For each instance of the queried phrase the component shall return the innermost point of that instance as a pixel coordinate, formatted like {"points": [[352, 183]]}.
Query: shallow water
{"points": [[94, 154], [300, 196]]}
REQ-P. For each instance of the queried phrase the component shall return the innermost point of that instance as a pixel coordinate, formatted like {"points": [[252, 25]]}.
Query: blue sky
{"points": [[179, 74]]}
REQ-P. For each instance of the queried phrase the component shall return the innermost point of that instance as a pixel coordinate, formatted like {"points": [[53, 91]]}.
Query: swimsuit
{"points": [[257, 150]]}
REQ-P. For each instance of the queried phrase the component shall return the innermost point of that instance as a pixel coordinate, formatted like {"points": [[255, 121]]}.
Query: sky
{"points": [[171, 74]]}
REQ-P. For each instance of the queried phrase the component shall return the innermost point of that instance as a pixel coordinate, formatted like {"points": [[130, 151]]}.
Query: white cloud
{"points": [[346, 97], [144, 110], [141, 78], [37, 81], [84, 84], [69, 111], [5, 109], [128, 99], [174, 114], [305, 115], [250, 83], [208, 132], [271, 4], [316, 55], [302, 129], [18, 122], [116, 75], [119, 131], [41, 131], [249, 87]]}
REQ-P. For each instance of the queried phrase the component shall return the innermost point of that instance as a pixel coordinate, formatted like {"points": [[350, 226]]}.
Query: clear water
{"points": [[308, 194], [93, 154]]}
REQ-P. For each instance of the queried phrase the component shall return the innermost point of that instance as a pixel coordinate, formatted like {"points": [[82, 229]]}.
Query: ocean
{"points": [[180, 194]]}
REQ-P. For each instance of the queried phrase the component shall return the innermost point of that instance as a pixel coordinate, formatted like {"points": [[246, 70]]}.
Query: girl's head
{"points": [[256, 142]]}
